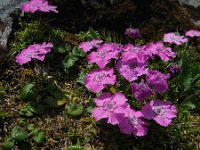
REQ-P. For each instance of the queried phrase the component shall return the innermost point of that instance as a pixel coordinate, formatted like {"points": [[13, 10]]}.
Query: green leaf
{"points": [[69, 62], [78, 52], [5, 114], [28, 110], [56, 97], [55, 102], [33, 108], [186, 72], [18, 134], [185, 106], [94, 34], [51, 101], [27, 92], [188, 105], [81, 77], [31, 127], [75, 110], [8, 144], [186, 78], [54, 91], [74, 147], [61, 48], [39, 137], [40, 109]]}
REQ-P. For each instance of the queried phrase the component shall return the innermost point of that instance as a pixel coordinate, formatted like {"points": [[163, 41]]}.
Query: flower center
{"points": [[158, 110], [135, 49], [132, 65], [102, 54], [109, 105], [100, 77], [29, 55], [133, 120], [175, 38], [160, 49], [33, 4]]}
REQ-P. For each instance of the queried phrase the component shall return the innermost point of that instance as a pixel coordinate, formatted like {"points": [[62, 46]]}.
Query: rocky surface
{"points": [[153, 17], [193, 9], [194, 3], [7, 7]]}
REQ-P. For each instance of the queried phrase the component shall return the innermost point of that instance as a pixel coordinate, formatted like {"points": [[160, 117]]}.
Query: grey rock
{"points": [[7, 7], [194, 3], [193, 9]]}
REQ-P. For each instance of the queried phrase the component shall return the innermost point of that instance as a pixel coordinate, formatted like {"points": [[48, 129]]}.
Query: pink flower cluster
{"points": [[38, 5], [36, 51], [117, 111], [179, 40], [132, 62]]}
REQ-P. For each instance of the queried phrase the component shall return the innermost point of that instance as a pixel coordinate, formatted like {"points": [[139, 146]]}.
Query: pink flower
{"points": [[165, 53], [127, 47], [104, 55], [37, 51], [99, 79], [173, 38], [157, 80], [133, 33], [192, 33], [174, 68], [141, 91], [132, 123], [38, 5], [87, 46], [131, 69], [137, 52], [160, 111], [110, 107]]}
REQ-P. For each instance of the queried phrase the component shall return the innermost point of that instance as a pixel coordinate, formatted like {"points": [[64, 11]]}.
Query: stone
{"points": [[7, 7], [152, 17], [194, 3], [193, 9]]}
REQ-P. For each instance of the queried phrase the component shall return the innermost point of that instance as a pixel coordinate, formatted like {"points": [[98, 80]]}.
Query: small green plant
{"points": [[90, 34], [75, 147], [8, 144], [28, 92], [56, 97], [33, 108], [18, 134], [75, 110]]}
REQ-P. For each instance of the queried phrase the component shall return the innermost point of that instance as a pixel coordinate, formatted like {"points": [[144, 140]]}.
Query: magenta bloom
{"points": [[99, 79], [160, 111], [132, 123], [192, 33], [131, 69], [174, 68], [87, 46], [36, 51], [165, 53], [157, 80], [104, 55], [38, 5], [133, 33], [173, 38], [141, 91], [137, 52], [127, 47], [110, 107]]}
